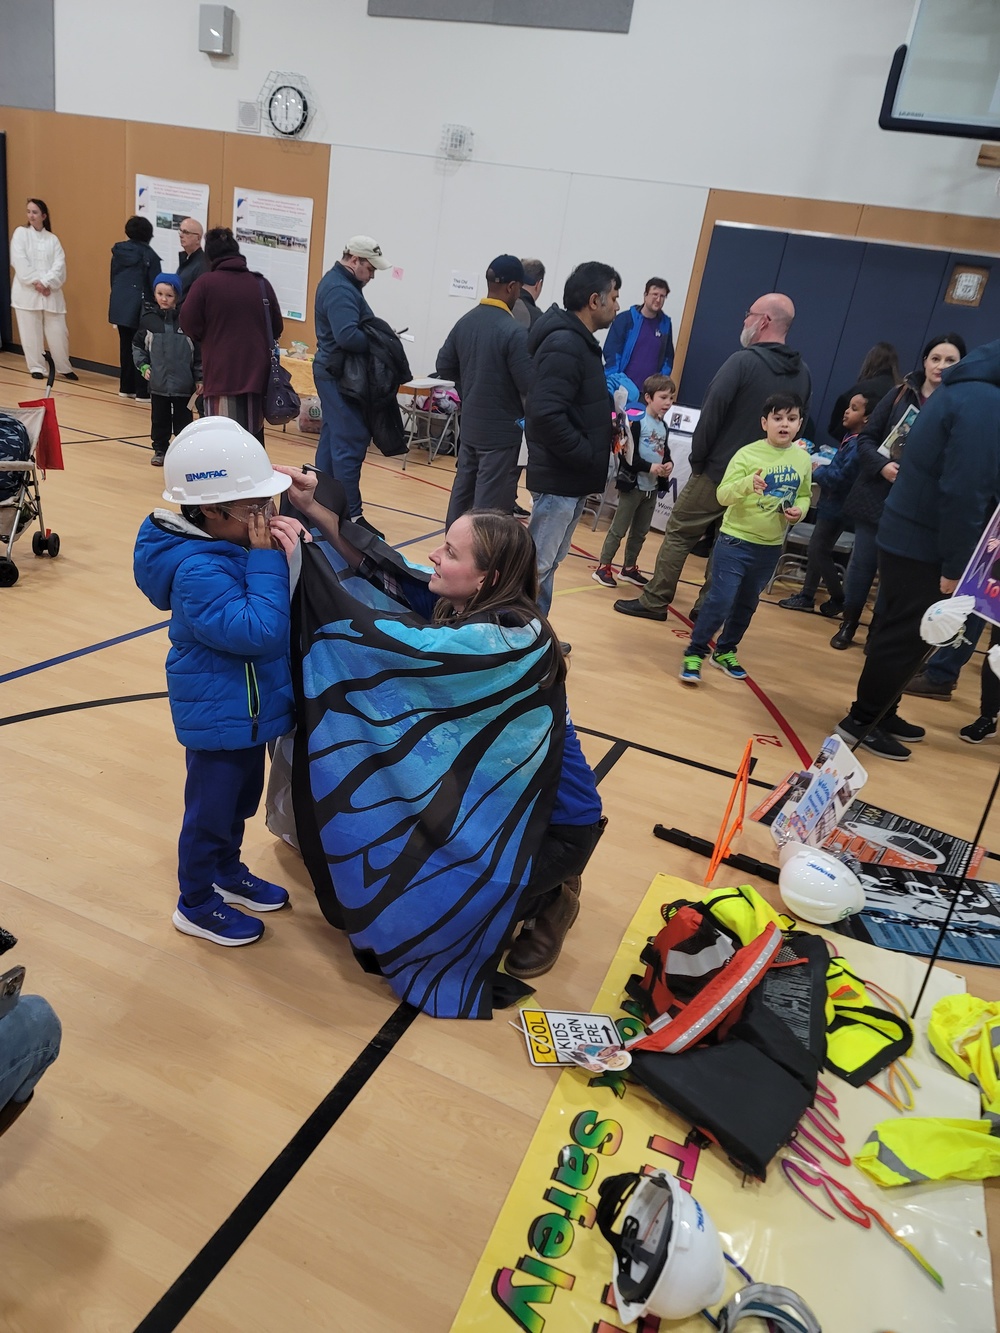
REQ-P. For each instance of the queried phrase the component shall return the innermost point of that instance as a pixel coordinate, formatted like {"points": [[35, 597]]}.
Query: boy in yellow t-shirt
{"points": [[765, 488]]}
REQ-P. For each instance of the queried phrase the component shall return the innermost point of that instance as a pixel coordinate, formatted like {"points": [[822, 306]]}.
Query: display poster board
{"points": [[680, 455], [274, 233], [166, 204], [981, 579]]}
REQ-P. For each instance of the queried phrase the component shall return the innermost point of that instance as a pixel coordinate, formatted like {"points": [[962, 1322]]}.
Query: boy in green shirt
{"points": [[766, 487]]}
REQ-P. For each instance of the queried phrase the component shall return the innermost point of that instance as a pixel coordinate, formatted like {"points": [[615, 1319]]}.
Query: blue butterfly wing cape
{"points": [[426, 764]]}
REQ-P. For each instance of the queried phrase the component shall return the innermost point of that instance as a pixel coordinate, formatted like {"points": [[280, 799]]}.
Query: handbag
{"points": [[281, 402]]}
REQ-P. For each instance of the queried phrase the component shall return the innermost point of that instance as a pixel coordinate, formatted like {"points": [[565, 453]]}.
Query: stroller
{"points": [[20, 501]]}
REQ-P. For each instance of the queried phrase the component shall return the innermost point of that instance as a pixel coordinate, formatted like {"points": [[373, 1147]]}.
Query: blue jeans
{"points": [[861, 569], [222, 792], [945, 666], [343, 441], [740, 572], [29, 1042], [553, 520]]}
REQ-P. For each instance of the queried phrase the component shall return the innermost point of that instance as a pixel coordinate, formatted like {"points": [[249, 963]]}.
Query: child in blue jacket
{"points": [[835, 480], [221, 568]]}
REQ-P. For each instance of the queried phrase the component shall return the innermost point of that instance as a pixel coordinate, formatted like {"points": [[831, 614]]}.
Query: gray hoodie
{"points": [[733, 403]]}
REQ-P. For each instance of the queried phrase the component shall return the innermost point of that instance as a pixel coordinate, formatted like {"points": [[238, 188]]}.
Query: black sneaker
{"points": [[903, 731], [798, 602], [71, 375], [633, 607], [980, 730], [362, 522], [832, 609], [872, 739]]}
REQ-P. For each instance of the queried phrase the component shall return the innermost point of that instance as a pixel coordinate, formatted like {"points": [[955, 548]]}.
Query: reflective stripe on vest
{"points": [[673, 1033]]}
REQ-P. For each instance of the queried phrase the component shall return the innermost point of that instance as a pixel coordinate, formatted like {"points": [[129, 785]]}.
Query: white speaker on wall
{"points": [[248, 117], [215, 30]]}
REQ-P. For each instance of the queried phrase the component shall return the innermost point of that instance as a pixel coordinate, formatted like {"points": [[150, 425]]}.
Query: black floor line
{"points": [[79, 707], [608, 761], [604, 766], [205, 1267]]}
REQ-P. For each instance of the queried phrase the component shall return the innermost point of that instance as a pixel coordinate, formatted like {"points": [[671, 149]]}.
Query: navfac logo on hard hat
{"points": [[205, 476]]}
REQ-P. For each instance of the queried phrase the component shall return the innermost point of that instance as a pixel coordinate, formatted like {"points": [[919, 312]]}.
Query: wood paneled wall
{"points": [[951, 231], [84, 167]]}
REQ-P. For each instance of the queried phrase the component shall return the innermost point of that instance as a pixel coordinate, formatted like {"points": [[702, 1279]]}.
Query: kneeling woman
{"points": [[441, 796]]}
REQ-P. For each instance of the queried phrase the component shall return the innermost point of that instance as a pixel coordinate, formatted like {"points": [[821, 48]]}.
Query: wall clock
{"points": [[288, 110]]}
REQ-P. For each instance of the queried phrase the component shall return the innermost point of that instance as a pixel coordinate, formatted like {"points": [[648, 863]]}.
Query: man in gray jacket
{"points": [[730, 418], [486, 354]]}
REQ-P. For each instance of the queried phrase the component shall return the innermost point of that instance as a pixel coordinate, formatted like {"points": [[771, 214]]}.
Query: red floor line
{"points": [[785, 726], [790, 734], [423, 480]]}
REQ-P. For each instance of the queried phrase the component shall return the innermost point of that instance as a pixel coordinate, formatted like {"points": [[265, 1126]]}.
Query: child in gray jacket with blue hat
{"points": [[170, 361]]}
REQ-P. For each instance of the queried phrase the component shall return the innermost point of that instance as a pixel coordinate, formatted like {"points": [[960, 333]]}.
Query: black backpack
{"points": [[15, 447]]}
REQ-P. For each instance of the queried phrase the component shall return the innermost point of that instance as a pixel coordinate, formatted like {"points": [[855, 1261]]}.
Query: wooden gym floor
{"points": [[186, 1069]]}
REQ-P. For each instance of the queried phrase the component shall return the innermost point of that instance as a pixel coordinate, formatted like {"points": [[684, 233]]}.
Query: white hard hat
{"points": [[668, 1256], [944, 621], [817, 887], [214, 460]]}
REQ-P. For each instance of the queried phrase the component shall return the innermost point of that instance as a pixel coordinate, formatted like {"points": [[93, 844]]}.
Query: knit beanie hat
{"points": [[171, 279]]}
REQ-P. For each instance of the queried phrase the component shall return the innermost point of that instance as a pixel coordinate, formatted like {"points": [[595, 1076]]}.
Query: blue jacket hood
{"points": [[982, 363], [165, 540]]}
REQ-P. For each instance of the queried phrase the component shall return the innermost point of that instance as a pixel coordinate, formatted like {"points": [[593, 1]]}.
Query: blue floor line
{"points": [[149, 629], [82, 652]]}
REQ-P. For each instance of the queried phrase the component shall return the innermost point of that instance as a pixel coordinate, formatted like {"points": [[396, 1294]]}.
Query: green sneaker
{"points": [[691, 669], [727, 662]]}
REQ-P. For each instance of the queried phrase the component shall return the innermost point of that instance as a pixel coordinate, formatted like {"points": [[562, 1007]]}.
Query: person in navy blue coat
{"points": [[934, 515], [220, 568], [341, 315], [134, 266]]}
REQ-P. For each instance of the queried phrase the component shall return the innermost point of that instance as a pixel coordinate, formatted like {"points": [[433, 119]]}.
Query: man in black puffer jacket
{"points": [[569, 415]]}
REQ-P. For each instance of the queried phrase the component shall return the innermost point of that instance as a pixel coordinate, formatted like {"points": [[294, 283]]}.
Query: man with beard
{"points": [[730, 419]]}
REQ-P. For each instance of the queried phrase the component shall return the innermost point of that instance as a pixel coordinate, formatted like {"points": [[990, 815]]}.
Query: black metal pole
{"points": [[958, 890]]}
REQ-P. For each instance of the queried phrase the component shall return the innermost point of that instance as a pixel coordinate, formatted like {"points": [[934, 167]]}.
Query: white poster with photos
{"points": [[273, 231], [166, 204]]}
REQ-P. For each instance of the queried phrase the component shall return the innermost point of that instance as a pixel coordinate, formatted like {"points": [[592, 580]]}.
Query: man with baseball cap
{"points": [[341, 311], [486, 354]]}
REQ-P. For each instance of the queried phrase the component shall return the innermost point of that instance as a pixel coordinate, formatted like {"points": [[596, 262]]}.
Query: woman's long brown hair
{"points": [[505, 555]]}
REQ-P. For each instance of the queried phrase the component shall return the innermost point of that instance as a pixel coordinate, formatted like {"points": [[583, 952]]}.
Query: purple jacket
{"points": [[224, 312]]}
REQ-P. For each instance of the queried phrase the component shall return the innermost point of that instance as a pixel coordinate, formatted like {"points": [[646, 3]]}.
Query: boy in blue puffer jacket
{"points": [[221, 568]]}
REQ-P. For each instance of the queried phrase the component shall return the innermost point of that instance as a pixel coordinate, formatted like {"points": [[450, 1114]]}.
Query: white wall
{"points": [[587, 145]]}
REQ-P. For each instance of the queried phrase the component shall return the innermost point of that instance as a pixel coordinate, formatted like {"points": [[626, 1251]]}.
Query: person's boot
{"points": [[844, 637], [10, 1112], [537, 948]]}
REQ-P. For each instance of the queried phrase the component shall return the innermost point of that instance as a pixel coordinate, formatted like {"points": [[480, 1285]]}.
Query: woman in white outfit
{"points": [[37, 292]]}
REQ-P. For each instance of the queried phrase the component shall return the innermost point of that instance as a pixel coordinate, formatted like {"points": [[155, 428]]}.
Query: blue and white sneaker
{"points": [[727, 662], [691, 669], [217, 922], [249, 890]]}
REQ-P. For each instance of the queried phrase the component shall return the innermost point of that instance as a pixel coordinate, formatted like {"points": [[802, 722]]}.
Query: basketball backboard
{"points": [[946, 78]]}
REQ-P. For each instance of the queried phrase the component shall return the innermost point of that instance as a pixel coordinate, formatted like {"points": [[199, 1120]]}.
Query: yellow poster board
{"points": [[547, 1269]]}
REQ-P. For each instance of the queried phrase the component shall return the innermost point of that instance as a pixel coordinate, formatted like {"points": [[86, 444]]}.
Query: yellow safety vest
{"points": [[905, 1152]]}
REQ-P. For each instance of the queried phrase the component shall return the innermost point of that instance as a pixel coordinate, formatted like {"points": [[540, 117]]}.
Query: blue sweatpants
{"points": [[222, 792]]}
